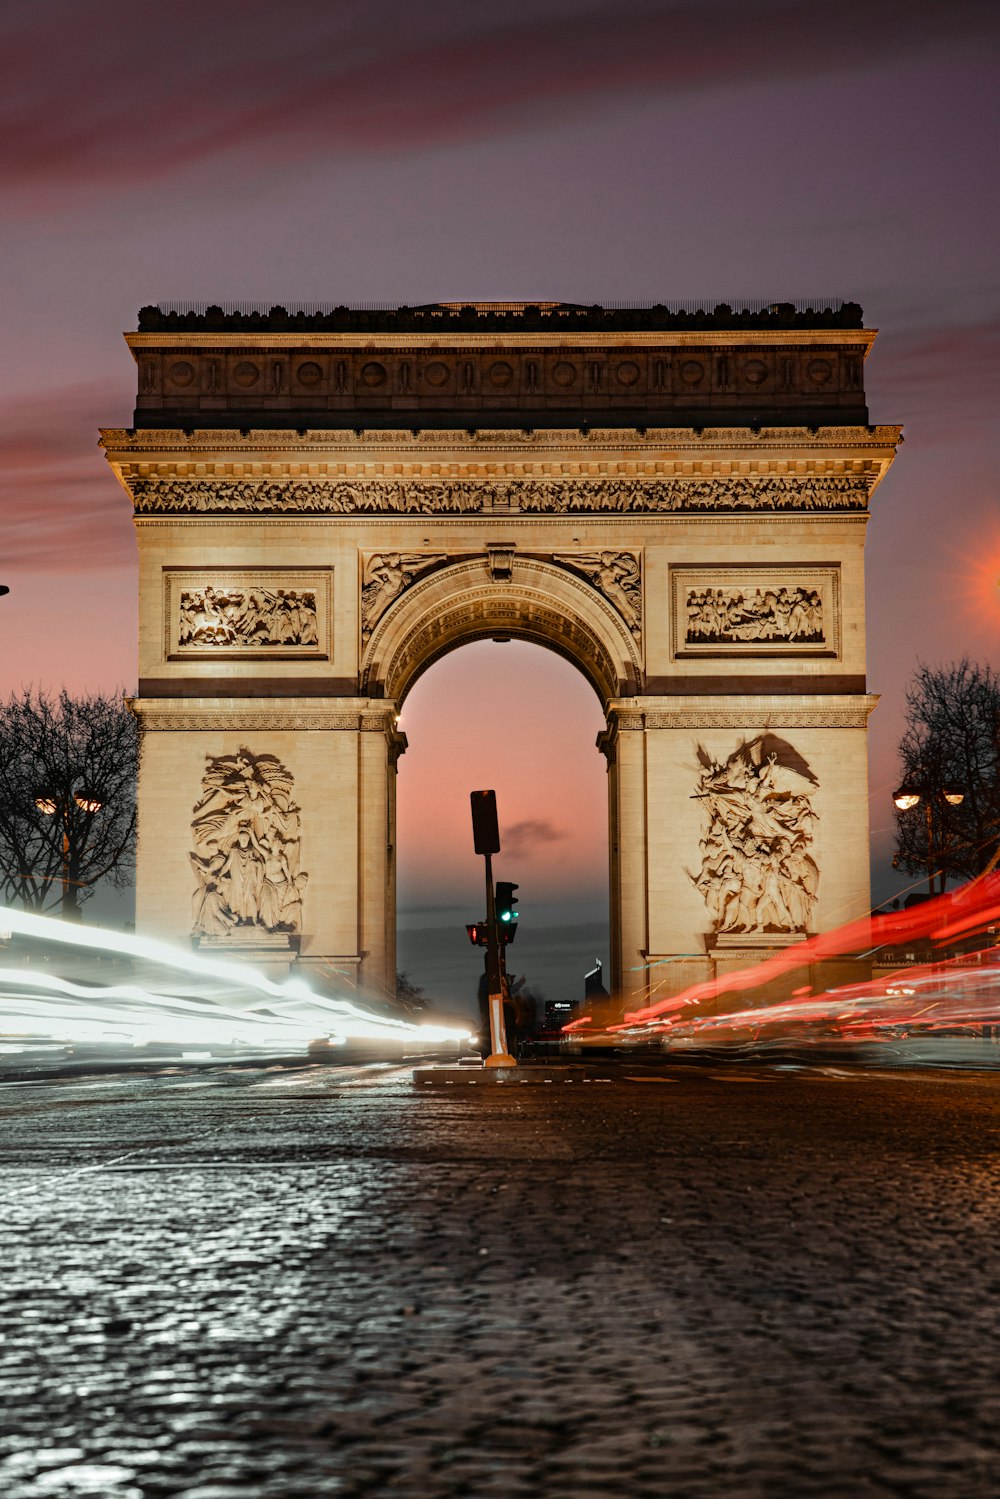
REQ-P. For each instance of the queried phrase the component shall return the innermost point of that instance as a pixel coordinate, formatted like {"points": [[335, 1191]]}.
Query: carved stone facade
{"points": [[325, 505]]}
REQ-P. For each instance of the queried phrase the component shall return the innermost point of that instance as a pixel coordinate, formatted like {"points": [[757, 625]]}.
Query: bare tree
{"points": [[951, 747], [410, 995], [68, 771]]}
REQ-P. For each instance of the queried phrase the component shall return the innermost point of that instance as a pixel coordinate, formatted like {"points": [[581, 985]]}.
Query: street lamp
{"points": [[87, 800], [911, 794]]}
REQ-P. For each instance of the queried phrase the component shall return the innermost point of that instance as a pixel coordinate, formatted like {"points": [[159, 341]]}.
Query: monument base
{"points": [[273, 951]]}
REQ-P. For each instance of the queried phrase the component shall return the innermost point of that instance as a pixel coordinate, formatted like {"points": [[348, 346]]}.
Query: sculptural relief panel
{"points": [[385, 575], [245, 829], [757, 874], [616, 575], [755, 611], [265, 613]]}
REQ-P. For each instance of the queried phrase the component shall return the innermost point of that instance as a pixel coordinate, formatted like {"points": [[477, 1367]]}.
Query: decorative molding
{"points": [[648, 438], [747, 492], [615, 575], [247, 614], [254, 716], [755, 612], [752, 715]]}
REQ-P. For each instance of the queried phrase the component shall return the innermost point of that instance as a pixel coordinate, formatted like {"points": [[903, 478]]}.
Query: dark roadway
{"points": [[239, 1284]]}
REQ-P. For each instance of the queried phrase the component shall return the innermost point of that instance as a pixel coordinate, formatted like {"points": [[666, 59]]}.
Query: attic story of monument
{"points": [[327, 500]]}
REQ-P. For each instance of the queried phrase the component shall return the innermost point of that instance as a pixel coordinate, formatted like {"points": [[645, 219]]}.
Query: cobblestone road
{"points": [[263, 1283]]}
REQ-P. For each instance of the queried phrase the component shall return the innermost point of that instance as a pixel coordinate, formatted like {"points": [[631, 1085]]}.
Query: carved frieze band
{"points": [[247, 614], [751, 492]]}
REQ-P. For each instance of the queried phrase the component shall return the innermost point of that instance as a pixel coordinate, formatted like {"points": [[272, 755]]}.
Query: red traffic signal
{"points": [[477, 933]]}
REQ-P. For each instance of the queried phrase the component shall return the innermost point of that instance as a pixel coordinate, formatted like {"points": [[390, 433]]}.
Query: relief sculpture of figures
{"points": [[757, 871], [616, 576], [247, 617], [728, 616], [386, 575], [164, 495], [246, 856]]}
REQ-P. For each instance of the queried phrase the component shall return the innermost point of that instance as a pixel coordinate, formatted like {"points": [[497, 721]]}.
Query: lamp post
{"points": [[935, 798], [86, 801]]}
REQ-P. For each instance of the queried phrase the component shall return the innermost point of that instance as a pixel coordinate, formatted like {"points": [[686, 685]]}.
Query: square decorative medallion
{"points": [[253, 614], [785, 610]]}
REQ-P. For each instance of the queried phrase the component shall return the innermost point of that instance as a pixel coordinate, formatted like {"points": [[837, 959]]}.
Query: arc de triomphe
{"points": [[328, 501]]}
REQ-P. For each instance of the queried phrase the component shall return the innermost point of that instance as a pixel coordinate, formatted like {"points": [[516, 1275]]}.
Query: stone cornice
{"points": [[728, 338], [326, 472], [666, 444]]}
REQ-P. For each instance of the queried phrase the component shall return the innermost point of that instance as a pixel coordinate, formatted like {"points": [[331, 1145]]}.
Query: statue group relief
{"points": [[728, 616], [246, 848], [247, 617], [378, 496], [757, 873]]}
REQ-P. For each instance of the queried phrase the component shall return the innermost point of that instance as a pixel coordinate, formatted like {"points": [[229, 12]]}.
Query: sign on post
{"points": [[485, 828]]}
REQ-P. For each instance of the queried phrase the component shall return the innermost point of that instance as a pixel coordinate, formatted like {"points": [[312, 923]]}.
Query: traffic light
{"points": [[477, 933], [506, 908], [485, 829]]}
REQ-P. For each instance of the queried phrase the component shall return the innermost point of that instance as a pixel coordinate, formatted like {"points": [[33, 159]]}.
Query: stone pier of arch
{"points": [[677, 507]]}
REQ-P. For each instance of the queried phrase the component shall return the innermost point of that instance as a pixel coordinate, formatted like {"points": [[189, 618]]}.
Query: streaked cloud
{"points": [[177, 86], [61, 507], [527, 837]]}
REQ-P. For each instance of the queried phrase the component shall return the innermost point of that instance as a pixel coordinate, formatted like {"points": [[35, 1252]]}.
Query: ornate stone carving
{"points": [[251, 617], [732, 616], [615, 575], [245, 830], [267, 613], [750, 492], [757, 873], [386, 575], [786, 609]]}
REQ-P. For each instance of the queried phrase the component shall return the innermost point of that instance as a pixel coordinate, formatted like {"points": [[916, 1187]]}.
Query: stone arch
{"points": [[469, 600]]}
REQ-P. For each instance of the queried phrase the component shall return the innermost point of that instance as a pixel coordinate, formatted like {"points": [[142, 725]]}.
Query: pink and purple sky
{"points": [[585, 150]]}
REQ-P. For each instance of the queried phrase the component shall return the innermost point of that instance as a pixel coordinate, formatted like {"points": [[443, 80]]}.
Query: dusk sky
{"points": [[701, 150]]}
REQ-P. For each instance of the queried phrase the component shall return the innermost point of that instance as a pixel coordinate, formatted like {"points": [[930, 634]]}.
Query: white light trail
{"points": [[287, 1016]]}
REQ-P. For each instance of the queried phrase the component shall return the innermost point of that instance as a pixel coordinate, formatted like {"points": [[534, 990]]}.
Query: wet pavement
{"points": [[253, 1283]]}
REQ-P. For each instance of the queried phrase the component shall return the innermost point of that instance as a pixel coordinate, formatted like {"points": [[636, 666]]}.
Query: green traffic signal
{"points": [[506, 902]]}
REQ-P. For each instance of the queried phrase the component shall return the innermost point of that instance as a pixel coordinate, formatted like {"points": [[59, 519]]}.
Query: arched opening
{"points": [[521, 719]]}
